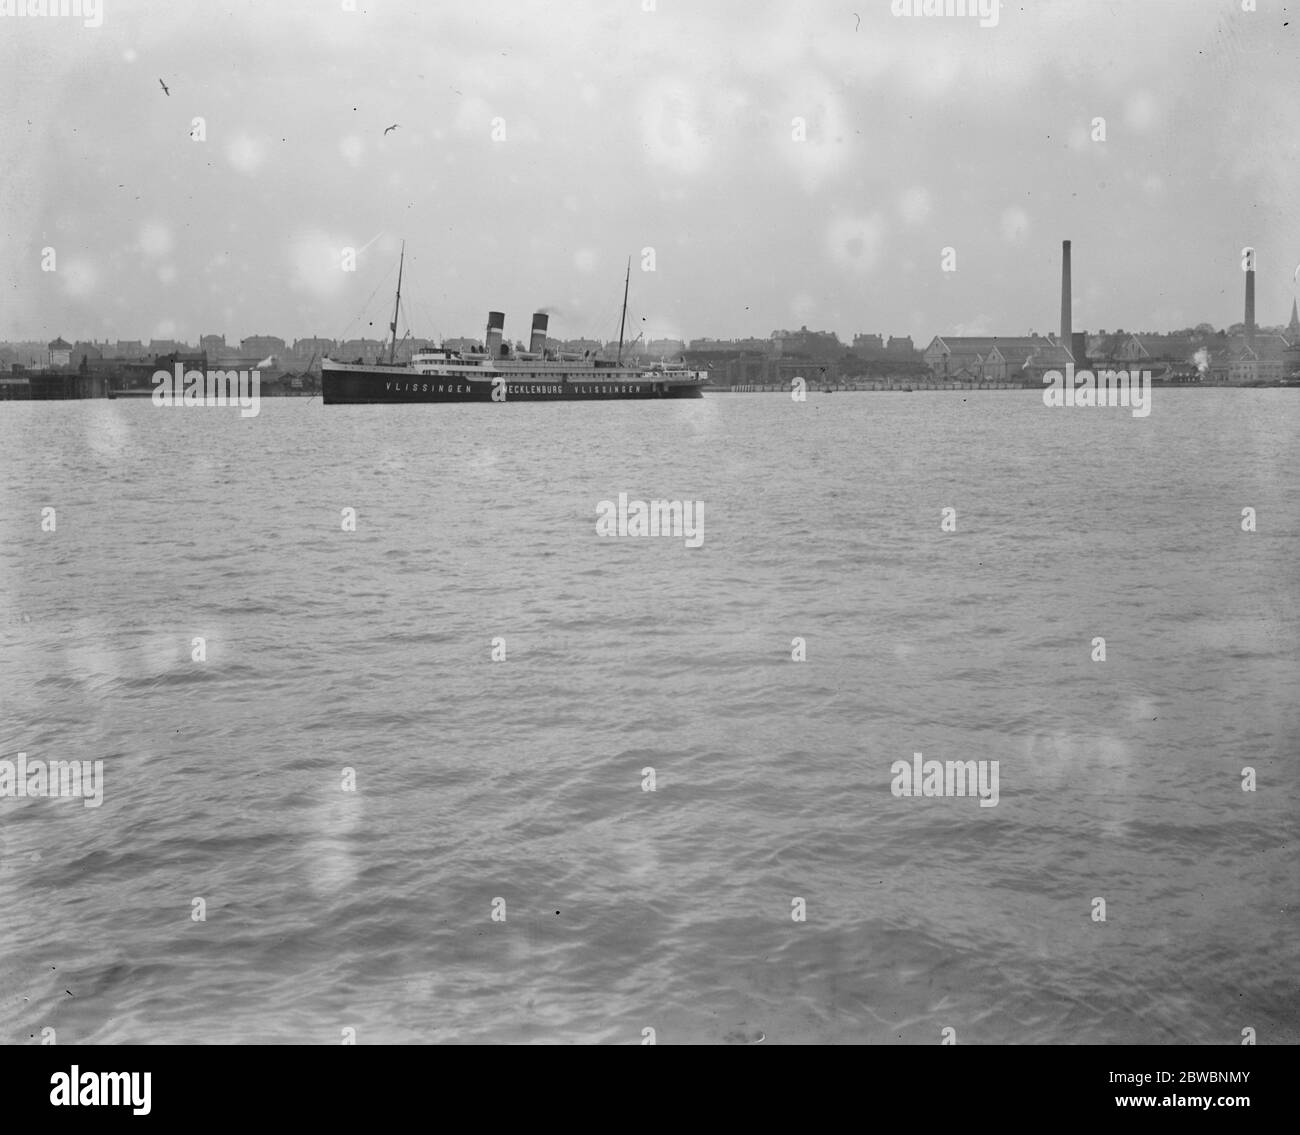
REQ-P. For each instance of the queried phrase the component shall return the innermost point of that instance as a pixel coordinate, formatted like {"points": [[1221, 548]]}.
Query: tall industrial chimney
{"points": [[537, 342], [495, 325], [1065, 295], [1250, 307]]}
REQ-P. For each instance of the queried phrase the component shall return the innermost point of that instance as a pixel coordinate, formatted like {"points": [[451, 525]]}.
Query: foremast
{"points": [[397, 303], [622, 322]]}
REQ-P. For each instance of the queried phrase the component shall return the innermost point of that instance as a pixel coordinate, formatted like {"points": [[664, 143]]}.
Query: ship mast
{"points": [[392, 349], [623, 318]]}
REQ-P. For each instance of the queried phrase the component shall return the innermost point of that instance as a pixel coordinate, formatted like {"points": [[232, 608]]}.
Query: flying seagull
{"points": [[393, 127], [164, 87]]}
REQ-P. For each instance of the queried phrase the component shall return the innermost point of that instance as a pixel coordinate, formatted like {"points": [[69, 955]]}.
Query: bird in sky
{"points": [[164, 87], [393, 127]]}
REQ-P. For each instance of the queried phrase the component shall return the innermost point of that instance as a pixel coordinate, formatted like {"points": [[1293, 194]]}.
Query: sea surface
{"points": [[353, 786]]}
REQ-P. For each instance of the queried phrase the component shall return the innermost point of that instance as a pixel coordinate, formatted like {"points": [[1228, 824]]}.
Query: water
{"points": [[521, 779]]}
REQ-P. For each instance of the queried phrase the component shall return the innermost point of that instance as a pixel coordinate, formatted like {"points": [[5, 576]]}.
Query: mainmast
{"points": [[623, 317], [392, 350]]}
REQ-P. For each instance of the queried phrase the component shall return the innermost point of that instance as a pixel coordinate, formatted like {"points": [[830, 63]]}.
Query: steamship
{"points": [[500, 373]]}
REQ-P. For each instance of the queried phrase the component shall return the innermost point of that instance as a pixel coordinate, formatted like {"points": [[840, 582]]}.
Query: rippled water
{"points": [[521, 779]]}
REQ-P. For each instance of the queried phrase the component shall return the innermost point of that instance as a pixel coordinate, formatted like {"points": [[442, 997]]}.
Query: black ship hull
{"points": [[364, 385]]}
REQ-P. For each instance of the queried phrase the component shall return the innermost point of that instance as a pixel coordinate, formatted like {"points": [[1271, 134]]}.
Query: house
{"points": [[995, 358], [1182, 356], [262, 346], [730, 346], [465, 346], [83, 352], [365, 349], [946, 355], [60, 353], [808, 344], [406, 348], [306, 351], [664, 348], [1120, 348], [168, 347], [1264, 361]]}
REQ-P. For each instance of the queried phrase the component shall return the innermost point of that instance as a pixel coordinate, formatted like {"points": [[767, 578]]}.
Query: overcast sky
{"points": [[623, 130]]}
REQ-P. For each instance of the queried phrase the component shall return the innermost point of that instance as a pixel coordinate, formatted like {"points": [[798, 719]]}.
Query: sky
{"points": [[764, 165]]}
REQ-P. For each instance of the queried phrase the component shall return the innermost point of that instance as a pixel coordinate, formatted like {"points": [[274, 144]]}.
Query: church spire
{"points": [[1294, 325]]}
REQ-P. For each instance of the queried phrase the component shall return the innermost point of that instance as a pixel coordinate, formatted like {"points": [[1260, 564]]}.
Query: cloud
{"points": [[930, 63], [155, 239], [672, 134], [353, 149], [80, 277], [246, 153], [855, 243], [915, 205], [1014, 225], [474, 116], [1142, 112], [804, 306], [316, 259], [688, 110], [814, 134]]}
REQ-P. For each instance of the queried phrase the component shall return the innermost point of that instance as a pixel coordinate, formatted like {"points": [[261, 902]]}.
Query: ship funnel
{"points": [[537, 343], [495, 325], [1250, 306], [1066, 320]]}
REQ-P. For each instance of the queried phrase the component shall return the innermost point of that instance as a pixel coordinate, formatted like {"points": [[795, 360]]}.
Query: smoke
{"points": [[1202, 360], [549, 309]]}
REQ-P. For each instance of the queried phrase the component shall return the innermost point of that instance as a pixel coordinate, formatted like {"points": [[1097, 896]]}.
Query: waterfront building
{"points": [[665, 348], [60, 352], [86, 352], [127, 349], [366, 349], [473, 346], [1263, 361], [581, 346], [167, 347], [304, 349], [875, 347], [262, 346], [730, 346], [995, 358], [809, 344]]}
